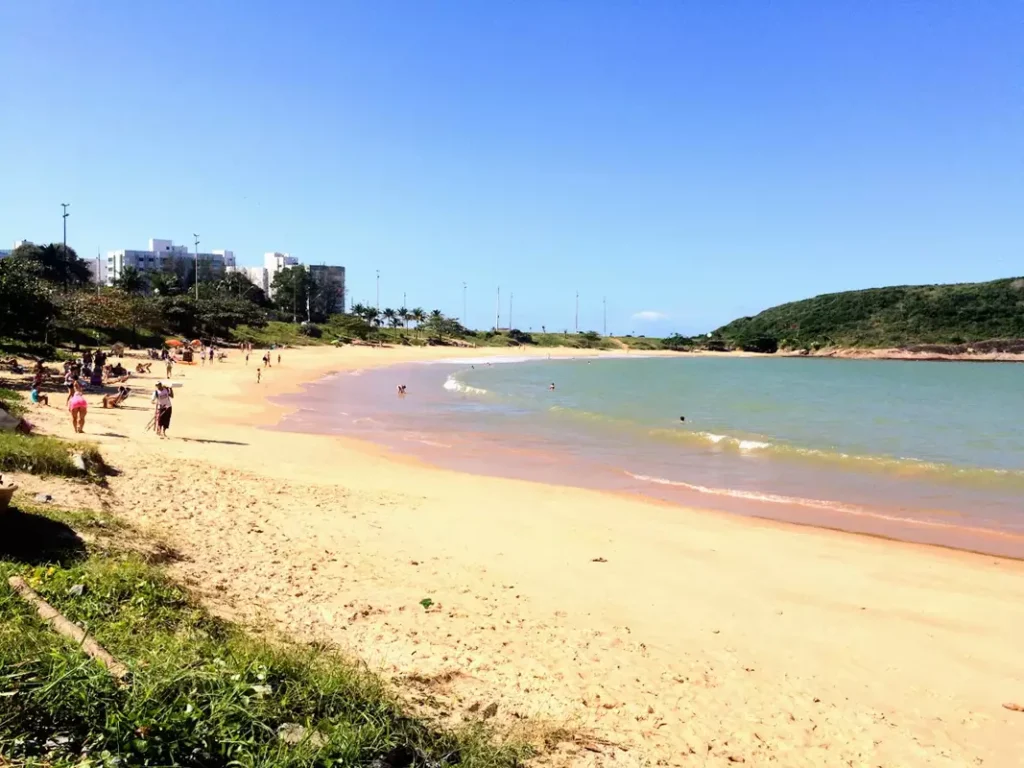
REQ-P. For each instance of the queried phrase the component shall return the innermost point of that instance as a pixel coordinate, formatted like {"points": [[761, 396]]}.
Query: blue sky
{"points": [[694, 160]]}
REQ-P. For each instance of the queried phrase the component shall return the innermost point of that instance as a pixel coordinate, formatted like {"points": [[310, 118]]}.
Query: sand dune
{"points": [[656, 634]]}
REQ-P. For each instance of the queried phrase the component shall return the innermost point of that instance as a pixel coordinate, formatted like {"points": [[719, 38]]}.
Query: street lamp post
{"points": [[577, 321], [197, 264], [464, 305], [510, 295], [604, 306], [378, 290], [64, 216]]}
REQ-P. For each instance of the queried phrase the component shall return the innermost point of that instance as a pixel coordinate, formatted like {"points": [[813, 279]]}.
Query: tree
{"points": [[419, 316], [436, 324], [389, 316], [239, 286], [165, 283], [291, 289], [26, 305], [56, 265], [403, 313], [130, 280]]}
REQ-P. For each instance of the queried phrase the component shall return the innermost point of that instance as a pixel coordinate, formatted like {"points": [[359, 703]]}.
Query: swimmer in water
{"points": [[682, 418], [552, 387], [401, 390]]}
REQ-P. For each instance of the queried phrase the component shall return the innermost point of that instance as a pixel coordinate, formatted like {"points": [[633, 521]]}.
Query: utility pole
{"points": [[97, 270], [464, 305], [577, 322], [65, 206], [510, 294], [378, 290], [497, 311], [604, 306], [197, 264]]}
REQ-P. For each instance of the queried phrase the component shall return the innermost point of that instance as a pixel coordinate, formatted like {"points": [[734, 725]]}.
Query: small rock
{"points": [[77, 590], [43, 498], [599, 560], [293, 733], [491, 711]]}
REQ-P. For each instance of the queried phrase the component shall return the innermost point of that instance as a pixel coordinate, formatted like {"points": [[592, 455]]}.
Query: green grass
{"points": [[12, 403], [201, 692], [45, 455], [281, 334]]}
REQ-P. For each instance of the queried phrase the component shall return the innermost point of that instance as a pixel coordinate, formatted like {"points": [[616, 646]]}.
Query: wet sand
{"points": [[653, 633]]}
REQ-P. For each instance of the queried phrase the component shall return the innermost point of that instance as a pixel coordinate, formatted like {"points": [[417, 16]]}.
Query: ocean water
{"points": [[928, 452]]}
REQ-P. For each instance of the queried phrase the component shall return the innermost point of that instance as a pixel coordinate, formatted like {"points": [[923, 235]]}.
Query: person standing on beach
{"points": [[259, 373], [162, 397], [170, 366], [77, 406]]}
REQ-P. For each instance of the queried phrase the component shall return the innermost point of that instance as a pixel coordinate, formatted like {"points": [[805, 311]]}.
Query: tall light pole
{"points": [[577, 322], [97, 270], [197, 264], [604, 306], [510, 294], [464, 305], [497, 310], [65, 215], [378, 290]]}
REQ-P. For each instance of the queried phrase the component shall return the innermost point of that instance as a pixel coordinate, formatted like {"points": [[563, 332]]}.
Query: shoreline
{"points": [[417, 434], [906, 355], [640, 625]]}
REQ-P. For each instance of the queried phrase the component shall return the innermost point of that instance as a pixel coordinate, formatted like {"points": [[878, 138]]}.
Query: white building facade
{"points": [[165, 256]]}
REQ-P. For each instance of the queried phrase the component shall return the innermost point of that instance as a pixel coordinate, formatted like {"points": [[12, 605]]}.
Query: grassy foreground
{"points": [[201, 692]]}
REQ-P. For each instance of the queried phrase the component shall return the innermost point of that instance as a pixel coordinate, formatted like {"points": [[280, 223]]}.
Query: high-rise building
{"points": [[328, 287], [274, 262], [165, 256]]}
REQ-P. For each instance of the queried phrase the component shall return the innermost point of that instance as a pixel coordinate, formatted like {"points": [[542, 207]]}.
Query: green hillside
{"points": [[888, 317]]}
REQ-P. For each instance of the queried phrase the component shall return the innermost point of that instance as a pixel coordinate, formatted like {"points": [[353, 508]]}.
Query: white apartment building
{"points": [[273, 263], [165, 256]]}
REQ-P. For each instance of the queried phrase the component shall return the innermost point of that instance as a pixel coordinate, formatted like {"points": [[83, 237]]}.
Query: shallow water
{"points": [[930, 452]]}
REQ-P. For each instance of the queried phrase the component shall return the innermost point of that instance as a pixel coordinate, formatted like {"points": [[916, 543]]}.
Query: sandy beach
{"points": [[637, 632]]}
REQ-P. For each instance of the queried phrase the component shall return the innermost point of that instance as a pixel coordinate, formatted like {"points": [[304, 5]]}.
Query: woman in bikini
{"points": [[77, 406]]}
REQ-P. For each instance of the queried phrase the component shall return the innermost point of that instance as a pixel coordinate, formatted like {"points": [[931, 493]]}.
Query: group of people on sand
{"points": [[93, 370]]}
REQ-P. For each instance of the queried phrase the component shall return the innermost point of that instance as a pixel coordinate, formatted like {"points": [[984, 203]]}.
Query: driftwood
{"points": [[53, 617]]}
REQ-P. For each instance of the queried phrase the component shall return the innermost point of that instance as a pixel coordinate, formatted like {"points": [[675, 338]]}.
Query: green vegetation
{"points": [[45, 455], [200, 692], [11, 402], [887, 317]]}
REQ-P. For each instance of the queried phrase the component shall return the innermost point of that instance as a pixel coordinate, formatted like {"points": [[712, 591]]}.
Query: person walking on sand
{"points": [[170, 366], [259, 373], [77, 406], [162, 397]]}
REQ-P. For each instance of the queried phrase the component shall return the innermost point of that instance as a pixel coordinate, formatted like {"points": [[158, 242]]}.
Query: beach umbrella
{"points": [[173, 343]]}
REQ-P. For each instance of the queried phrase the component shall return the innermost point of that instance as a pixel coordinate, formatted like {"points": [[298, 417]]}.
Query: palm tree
{"points": [[372, 316], [389, 316], [131, 280], [358, 310], [396, 321], [419, 316], [436, 322], [403, 313]]}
